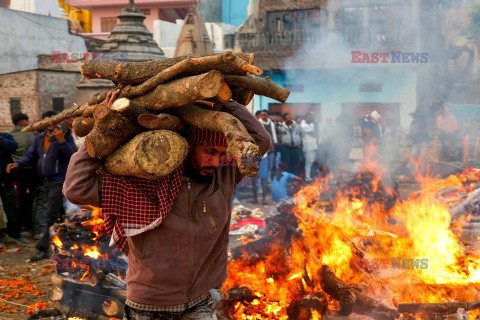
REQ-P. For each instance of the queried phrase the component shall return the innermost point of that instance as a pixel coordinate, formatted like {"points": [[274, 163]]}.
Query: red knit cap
{"points": [[199, 137]]}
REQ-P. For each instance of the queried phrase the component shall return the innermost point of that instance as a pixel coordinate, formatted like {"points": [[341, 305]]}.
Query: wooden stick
{"points": [[182, 92], [139, 72], [74, 111], [261, 86], [241, 146]]}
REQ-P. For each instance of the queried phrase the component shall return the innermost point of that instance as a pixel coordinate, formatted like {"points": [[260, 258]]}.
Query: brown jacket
{"points": [[187, 254]]}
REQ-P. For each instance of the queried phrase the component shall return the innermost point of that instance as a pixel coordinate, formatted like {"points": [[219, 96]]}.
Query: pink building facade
{"points": [[104, 12]]}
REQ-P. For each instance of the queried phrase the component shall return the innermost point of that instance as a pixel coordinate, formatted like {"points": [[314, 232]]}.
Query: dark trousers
{"points": [[291, 157], [26, 184], [53, 190], [10, 206]]}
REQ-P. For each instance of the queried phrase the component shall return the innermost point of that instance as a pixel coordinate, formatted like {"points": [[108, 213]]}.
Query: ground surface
{"points": [[32, 279]]}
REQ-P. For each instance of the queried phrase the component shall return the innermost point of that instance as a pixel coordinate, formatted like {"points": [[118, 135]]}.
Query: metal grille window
{"points": [[15, 105], [58, 104]]}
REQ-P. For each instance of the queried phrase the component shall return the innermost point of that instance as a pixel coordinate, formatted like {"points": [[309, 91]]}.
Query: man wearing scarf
{"points": [[174, 230]]}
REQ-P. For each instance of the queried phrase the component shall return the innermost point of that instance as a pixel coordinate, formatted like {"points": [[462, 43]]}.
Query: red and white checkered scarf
{"points": [[132, 205]]}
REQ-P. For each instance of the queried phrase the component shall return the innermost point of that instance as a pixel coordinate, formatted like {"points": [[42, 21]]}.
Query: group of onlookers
{"points": [[33, 168], [301, 147]]}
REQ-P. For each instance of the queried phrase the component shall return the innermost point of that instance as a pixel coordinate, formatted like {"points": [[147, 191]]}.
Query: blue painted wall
{"points": [[234, 11], [332, 87]]}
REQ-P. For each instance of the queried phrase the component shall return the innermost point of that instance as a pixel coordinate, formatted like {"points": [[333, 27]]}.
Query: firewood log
{"points": [[241, 145], [302, 309], [238, 293], [150, 155], [82, 126], [56, 294], [109, 132], [242, 95], [128, 109], [139, 72], [163, 121], [112, 307], [352, 299], [437, 308], [182, 92], [261, 86]]}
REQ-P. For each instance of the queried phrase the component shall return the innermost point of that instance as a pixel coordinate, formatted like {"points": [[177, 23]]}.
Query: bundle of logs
{"points": [[137, 134], [281, 233], [88, 279]]}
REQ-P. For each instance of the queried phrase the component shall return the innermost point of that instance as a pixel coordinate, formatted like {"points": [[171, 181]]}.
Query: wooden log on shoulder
{"points": [[241, 146], [128, 109], [83, 126], [163, 121], [437, 308], [139, 72], [150, 155], [242, 95], [182, 92], [109, 132], [261, 86]]}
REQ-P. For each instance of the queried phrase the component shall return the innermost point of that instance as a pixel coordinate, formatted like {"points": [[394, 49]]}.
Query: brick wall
{"points": [[59, 84], [35, 88], [21, 85]]}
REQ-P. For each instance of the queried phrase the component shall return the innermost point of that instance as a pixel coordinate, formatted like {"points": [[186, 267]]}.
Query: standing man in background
{"points": [[51, 151], [310, 146], [26, 176]]}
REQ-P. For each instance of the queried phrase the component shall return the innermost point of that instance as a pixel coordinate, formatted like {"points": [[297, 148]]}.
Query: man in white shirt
{"points": [[310, 145]]}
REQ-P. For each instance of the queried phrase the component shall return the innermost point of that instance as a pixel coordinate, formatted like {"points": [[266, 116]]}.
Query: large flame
{"points": [[406, 254]]}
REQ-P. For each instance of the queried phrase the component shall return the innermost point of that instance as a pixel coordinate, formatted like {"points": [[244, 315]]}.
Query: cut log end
{"points": [[150, 155]]}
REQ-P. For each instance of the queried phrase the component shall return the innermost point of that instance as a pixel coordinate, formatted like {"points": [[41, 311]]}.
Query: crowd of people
{"points": [[301, 150], [33, 168]]}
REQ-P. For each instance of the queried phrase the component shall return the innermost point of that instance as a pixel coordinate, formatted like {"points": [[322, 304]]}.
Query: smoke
{"points": [[323, 65]]}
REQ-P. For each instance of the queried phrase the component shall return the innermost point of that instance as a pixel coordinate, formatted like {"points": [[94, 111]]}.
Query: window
{"points": [[58, 104], [108, 24], [145, 11], [14, 105]]}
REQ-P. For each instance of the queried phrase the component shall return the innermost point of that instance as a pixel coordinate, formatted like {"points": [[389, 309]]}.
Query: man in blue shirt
{"points": [[279, 183]]}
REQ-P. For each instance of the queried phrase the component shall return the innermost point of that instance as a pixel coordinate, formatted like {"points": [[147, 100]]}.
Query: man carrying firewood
{"points": [[174, 230]]}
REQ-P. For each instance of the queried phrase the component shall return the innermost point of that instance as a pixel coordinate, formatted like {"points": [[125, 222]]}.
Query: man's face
{"points": [[264, 116], [309, 118], [23, 123], [205, 159], [286, 118]]}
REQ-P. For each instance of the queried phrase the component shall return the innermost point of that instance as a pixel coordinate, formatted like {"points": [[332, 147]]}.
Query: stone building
{"points": [[29, 81], [306, 46]]}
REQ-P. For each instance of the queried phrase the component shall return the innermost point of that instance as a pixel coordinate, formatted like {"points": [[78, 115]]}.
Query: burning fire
{"points": [[422, 259]]}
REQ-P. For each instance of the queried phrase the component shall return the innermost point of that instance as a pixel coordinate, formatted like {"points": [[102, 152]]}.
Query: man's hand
{"points": [[59, 134], [111, 97], [11, 166]]}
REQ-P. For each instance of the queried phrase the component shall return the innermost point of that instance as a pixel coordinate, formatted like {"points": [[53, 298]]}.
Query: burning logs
{"points": [[353, 299], [146, 89], [303, 308], [88, 280], [437, 308]]}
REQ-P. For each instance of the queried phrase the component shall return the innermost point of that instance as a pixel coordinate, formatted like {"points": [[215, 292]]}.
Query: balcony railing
{"points": [[292, 40]]}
